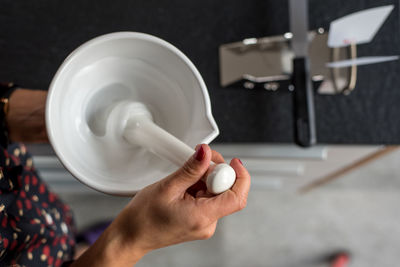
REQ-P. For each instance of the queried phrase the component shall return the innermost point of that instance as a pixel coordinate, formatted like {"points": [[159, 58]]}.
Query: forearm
{"points": [[26, 116], [111, 249]]}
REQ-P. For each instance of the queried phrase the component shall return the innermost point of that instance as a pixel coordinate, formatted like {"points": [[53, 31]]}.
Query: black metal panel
{"points": [[35, 37]]}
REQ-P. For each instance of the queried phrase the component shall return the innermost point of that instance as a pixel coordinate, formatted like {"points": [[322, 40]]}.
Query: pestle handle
{"points": [[145, 133]]}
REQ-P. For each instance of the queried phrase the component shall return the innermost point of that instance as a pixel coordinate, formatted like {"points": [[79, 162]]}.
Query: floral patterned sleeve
{"points": [[36, 228]]}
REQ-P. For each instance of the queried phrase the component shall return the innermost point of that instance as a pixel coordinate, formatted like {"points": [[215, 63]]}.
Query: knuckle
{"points": [[242, 203], [197, 226], [217, 156], [164, 185], [188, 170], [207, 234], [198, 223], [167, 187]]}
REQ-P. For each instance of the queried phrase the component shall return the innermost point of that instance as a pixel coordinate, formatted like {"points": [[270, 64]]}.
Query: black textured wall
{"points": [[35, 37]]}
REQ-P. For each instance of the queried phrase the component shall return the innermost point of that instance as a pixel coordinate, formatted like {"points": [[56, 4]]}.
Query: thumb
{"points": [[193, 169]]}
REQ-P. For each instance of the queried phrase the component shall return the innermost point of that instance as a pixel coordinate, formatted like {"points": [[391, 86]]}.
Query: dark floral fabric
{"points": [[36, 228]]}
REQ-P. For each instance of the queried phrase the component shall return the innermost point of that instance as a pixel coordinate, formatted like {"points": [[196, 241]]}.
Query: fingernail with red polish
{"points": [[200, 153], [240, 161]]}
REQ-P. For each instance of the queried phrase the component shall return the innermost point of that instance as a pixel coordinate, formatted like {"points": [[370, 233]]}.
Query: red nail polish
{"points": [[200, 153], [240, 161]]}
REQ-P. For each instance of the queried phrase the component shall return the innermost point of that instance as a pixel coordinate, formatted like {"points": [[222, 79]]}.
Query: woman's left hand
{"points": [[26, 116]]}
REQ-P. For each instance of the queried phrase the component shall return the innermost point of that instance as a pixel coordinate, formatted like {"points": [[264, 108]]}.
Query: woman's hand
{"points": [[26, 116], [177, 209], [174, 210]]}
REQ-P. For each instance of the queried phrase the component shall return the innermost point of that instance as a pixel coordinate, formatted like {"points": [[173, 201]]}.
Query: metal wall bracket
{"points": [[267, 63]]}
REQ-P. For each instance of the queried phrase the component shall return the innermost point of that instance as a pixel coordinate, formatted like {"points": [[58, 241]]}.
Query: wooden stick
{"points": [[332, 176]]}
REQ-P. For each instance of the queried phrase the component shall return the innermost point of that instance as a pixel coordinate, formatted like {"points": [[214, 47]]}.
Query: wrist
{"points": [[112, 248], [122, 245]]}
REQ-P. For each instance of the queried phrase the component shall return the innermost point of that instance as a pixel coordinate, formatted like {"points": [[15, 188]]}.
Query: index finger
{"points": [[242, 184], [216, 157]]}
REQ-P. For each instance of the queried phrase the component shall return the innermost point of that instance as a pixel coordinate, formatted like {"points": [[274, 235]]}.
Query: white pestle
{"points": [[141, 130]]}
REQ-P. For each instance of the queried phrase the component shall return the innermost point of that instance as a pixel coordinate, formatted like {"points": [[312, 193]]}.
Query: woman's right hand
{"points": [[174, 210]]}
